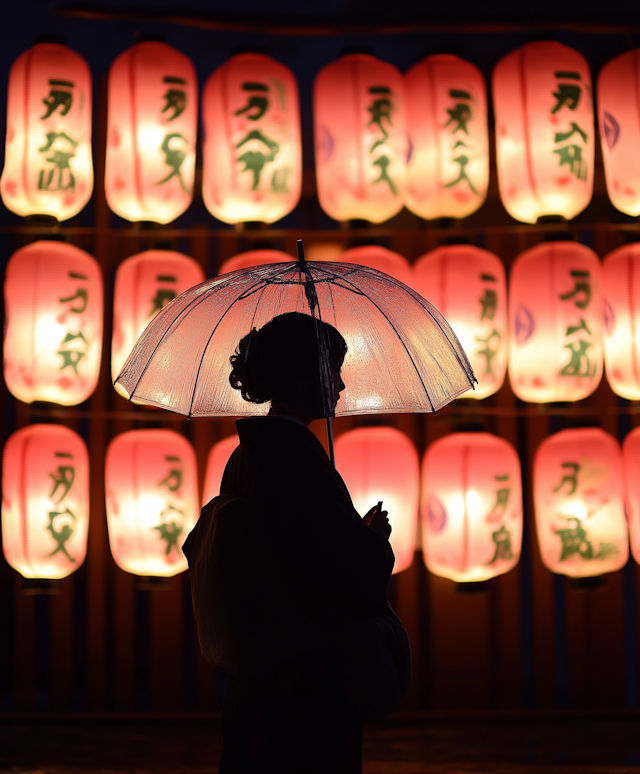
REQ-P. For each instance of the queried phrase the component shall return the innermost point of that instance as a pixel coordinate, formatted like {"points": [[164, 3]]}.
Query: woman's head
{"points": [[281, 363]]}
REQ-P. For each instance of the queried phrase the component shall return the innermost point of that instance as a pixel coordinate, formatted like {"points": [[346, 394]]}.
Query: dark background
{"points": [[525, 641]]}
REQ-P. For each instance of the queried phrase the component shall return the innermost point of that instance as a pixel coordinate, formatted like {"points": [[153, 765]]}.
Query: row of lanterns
{"points": [[471, 501], [382, 139], [567, 312]]}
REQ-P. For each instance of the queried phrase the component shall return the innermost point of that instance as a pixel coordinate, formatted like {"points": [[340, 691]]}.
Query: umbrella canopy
{"points": [[402, 354]]}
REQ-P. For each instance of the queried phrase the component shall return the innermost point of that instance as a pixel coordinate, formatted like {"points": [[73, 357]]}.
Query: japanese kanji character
{"points": [[380, 111], [489, 304], [569, 478], [255, 160], [161, 299], [462, 160], [460, 113], [63, 477], [173, 479], [582, 285], [383, 163], [256, 102], [62, 535], [62, 155], [83, 297], [562, 136], [58, 97], [571, 155], [175, 99], [490, 350], [574, 540], [502, 540], [568, 93], [579, 363], [173, 157], [502, 497]]}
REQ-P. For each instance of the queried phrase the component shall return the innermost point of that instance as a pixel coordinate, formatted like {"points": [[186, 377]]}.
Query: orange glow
{"points": [[251, 149], [448, 158], [47, 163], [381, 259], [145, 283], [468, 286], [544, 131], [254, 258], [53, 313], [471, 507], [619, 119], [151, 133], [621, 290], [577, 477], [380, 463], [631, 461], [45, 501], [152, 500], [360, 138], [556, 323], [216, 462]]}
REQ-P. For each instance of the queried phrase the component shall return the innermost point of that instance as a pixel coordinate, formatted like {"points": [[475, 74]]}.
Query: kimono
{"points": [[295, 718]]}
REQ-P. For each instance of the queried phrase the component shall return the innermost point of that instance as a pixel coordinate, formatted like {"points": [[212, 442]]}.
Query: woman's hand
{"points": [[378, 520]]}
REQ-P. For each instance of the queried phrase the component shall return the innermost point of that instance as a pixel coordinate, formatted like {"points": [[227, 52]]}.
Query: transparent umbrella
{"points": [[402, 354]]}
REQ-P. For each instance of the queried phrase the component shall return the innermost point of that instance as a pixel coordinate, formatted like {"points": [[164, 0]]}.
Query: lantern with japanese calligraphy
{"points": [[53, 323], [621, 291], [381, 464], [360, 138], [471, 507], [144, 284], [252, 156], [381, 259], [631, 463], [152, 500], [216, 462], [544, 131], [555, 323], [448, 157], [468, 286], [45, 501], [151, 133], [254, 258], [578, 496], [619, 120], [47, 162]]}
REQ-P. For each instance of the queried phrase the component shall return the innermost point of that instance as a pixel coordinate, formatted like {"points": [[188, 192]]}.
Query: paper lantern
{"points": [[45, 501], [254, 258], [578, 480], [381, 464], [631, 463], [216, 463], [471, 507], [152, 500], [556, 323], [47, 162], [544, 131], [151, 133], [468, 286], [619, 119], [360, 138], [53, 323], [381, 259], [252, 153], [448, 156], [621, 290], [145, 283]]}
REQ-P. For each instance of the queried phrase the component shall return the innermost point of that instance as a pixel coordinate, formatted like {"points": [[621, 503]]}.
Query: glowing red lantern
{"points": [[381, 464], [619, 119], [631, 462], [53, 338], [360, 138], [45, 501], [151, 133], [448, 157], [578, 493], [468, 286], [152, 500], [47, 162], [145, 283], [254, 258], [556, 323], [621, 290], [545, 144], [381, 259], [216, 462], [252, 150], [471, 507]]}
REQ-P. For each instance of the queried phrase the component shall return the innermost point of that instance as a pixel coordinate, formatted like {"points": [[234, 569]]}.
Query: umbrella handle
{"points": [[330, 437]]}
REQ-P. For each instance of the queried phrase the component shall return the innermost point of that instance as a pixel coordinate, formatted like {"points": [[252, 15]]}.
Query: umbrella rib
{"points": [[241, 297], [189, 308]]}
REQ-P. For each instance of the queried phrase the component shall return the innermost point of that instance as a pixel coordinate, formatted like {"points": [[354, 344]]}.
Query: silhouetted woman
{"points": [[296, 717]]}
